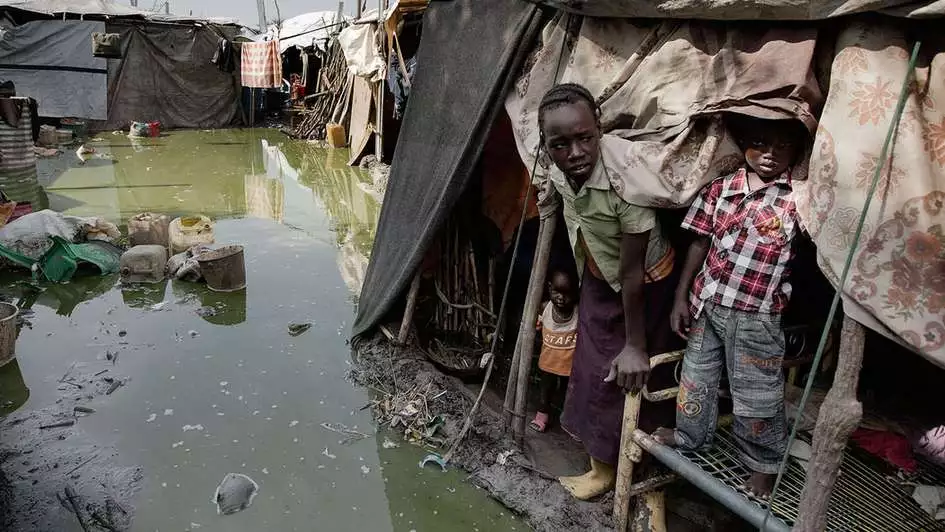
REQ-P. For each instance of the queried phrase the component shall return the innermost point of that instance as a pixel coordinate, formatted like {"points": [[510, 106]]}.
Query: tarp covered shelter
{"points": [[469, 61], [746, 9], [164, 73], [661, 83]]}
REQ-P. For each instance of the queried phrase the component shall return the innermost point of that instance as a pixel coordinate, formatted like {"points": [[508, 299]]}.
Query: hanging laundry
{"points": [[223, 58], [400, 83], [889, 446], [261, 64]]}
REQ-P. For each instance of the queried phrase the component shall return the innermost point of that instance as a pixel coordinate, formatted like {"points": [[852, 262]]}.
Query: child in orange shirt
{"points": [[558, 323]]}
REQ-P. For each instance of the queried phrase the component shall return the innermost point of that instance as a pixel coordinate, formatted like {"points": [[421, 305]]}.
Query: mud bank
{"points": [[46, 458], [522, 480], [536, 496]]}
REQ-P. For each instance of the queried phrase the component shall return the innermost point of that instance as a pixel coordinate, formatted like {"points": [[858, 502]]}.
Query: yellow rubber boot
{"points": [[599, 480]]}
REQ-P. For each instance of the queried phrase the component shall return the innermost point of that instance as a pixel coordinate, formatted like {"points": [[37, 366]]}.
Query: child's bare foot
{"points": [[666, 436], [761, 484]]}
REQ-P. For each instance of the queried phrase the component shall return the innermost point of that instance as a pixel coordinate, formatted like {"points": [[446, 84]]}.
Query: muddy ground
{"points": [[525, 480], [46, 459]]}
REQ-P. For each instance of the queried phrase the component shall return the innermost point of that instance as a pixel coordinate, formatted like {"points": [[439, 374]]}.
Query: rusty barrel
{"points": [[224, 269]]}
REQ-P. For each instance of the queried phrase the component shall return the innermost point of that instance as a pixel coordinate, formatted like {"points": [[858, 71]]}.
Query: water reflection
{"points": [[13, 390], [218, 308], [143, 295], [340, 190]]}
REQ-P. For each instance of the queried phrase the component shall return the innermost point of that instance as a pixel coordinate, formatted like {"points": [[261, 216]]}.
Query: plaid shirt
{"points": [[747, 267]]}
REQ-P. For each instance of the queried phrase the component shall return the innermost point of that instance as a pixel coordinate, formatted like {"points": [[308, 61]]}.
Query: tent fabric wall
{"points": [[659, 84], [896, 284], [51, 61], [470, 52], [746, 9], [166, 75]]}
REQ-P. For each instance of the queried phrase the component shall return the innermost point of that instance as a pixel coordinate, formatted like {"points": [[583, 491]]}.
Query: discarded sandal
{"points": [[540, 423]]}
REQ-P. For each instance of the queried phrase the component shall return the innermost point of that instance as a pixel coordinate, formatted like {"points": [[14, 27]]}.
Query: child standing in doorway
{"points": [[558, 324], [745, 224]]}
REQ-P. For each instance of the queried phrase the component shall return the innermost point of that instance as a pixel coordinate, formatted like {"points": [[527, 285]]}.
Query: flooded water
{"points": [[216, 384]]}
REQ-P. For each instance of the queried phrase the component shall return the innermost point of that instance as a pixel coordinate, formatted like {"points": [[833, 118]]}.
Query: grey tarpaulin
{"points": [[470, 53], [51, 61], [166, 76], [746, 9]]}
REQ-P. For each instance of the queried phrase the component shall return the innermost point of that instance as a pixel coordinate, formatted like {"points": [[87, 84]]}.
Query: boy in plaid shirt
{"points": [[745, 224]]}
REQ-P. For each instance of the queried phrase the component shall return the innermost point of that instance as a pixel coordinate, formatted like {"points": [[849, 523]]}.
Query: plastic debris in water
{"points": [[388, 444], [436, 459], [151, 418], [198, 427], [168, 411], [193, 334], [293, 423], [365, 470], [328, 454], [298, 329], [235, 493]]}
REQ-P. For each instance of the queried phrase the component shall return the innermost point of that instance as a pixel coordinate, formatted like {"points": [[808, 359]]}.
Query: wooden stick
{"points": [[408, 310], [630, 454], [838, 418], [512, 385], [546, 229]]}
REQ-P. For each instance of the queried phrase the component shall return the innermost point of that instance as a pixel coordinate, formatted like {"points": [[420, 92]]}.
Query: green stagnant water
{"points": [[307, 221]]}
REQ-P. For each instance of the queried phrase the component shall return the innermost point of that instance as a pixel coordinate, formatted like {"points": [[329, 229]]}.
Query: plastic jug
{"points": [[188, 231], [148, 228], [335, 133], [143, 264]]}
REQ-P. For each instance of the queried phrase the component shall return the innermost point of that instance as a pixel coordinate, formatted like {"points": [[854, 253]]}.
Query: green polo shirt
{"points": [[598, 214]]}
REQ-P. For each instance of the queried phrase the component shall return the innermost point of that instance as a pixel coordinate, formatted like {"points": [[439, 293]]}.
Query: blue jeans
{"points": [[750, 345]]}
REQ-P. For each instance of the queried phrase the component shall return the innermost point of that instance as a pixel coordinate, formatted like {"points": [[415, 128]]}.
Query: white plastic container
{"points": [[189, 231], [149, 228], [143, 264]]}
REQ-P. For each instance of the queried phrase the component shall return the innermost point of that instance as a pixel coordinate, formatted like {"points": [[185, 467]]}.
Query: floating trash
{"points": [[438, 460], [235, 493], [328, 454], [198, 427], [151, 418], [388, 444], [298, 329]]}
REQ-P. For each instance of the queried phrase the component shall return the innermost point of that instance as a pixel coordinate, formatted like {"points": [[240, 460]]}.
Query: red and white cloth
{"points": [[752, 231], [261, 65]]}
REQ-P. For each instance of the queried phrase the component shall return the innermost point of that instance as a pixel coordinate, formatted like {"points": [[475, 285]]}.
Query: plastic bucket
{"points": [[8, 313], [224, 268]]}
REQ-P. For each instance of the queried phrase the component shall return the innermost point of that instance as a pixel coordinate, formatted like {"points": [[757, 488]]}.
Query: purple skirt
{"points": [[593, 410]]}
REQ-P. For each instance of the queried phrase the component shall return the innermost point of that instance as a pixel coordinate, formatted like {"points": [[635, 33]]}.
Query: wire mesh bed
{"points": [[864, 499]]}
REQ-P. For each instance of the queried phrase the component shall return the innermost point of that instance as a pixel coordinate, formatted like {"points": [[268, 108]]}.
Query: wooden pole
{"points": [[630, 454], [408, 310], [379, 135], [546, 229], [511, 386], [839, 416]]}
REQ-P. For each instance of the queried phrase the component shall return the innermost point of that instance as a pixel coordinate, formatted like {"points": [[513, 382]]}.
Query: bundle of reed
{"points": [[464, 295], [330, 102]]}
